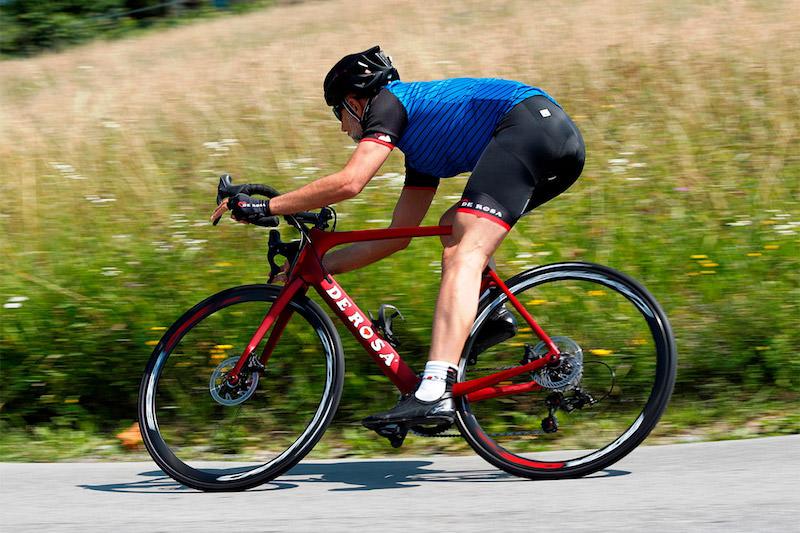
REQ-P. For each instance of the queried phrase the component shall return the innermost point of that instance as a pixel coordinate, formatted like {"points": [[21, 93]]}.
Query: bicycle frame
{"points": [[308, 271]]}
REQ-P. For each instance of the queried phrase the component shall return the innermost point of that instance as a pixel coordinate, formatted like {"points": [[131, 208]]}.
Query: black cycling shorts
{"points": [[536, 153]]}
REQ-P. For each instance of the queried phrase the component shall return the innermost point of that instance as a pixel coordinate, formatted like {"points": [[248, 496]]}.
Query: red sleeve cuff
{"points": [[379, 141]]}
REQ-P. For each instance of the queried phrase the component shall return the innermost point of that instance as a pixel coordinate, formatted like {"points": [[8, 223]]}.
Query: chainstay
{"points": [[506, 434], [492, 369]]}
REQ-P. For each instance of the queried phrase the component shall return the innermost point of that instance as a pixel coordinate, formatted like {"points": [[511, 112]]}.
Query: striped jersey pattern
{"points": [[451, 121]]}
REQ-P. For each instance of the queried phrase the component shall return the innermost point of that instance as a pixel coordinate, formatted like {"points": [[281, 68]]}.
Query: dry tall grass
{"points": [[131, 115]]}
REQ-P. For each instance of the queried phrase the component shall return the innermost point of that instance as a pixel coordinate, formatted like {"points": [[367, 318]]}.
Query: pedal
{"points": [[384, 324], [396, 433]]}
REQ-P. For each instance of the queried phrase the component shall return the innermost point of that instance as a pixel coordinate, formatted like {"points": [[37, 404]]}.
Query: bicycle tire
{"points": [[628, 365], [210, 438]]}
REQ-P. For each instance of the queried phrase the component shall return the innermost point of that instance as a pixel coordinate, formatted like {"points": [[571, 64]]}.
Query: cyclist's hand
{"points": [[219, 211], [248, 209]]}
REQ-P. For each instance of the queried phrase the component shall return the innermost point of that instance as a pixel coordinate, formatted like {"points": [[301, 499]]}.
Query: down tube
{"points": [[360, 326]]}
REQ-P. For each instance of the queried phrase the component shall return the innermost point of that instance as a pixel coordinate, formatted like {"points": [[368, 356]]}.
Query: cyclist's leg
{"points": [[523, 154], [536, 154], [472, 244]]}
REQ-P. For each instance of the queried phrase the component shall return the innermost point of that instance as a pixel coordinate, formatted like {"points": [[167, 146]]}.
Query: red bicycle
{"points": [[571, 393]]}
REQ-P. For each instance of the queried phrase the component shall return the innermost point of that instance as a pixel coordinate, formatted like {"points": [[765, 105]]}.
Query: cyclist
{"points": [[521, 149]]}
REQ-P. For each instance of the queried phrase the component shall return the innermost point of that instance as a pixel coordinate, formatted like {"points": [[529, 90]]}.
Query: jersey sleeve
{"points": [[419, 180], [385, 121]]}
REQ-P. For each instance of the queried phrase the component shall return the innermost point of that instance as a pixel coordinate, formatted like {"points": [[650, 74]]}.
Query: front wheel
{"points": [[608, 391], [211, 436]]}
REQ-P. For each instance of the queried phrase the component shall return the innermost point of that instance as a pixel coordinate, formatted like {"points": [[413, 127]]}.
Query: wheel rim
{"points": [[269, 426], [626, 346]]}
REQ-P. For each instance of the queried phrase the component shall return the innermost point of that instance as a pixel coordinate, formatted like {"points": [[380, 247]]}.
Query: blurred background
{"points": [[117, 117]]}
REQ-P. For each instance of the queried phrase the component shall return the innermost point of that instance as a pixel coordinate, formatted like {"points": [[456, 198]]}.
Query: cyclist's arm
{"points": [[347, 183], [411, 208]]}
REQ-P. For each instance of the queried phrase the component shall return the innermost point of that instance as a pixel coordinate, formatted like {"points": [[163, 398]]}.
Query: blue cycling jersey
{"points": [[451, 121]]}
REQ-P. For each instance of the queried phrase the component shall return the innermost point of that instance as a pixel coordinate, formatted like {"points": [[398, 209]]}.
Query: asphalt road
{"points": [[746, 485]]}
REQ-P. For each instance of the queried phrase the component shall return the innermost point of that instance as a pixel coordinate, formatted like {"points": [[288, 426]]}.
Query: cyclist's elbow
{"points": [[349, 187], [352, 188]]}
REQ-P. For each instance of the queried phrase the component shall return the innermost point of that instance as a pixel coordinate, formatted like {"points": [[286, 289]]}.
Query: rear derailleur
{"points": [[557, 400]]}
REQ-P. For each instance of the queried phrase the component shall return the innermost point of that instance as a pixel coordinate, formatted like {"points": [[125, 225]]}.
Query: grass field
{"points": [[109, 157]]}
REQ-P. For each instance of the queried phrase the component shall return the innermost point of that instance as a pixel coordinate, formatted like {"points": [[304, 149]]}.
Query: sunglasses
{"points": [[337, 112]]}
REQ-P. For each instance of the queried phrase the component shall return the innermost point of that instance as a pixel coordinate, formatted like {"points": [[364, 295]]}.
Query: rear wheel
{"points": [[212, 436], [606, 394]]}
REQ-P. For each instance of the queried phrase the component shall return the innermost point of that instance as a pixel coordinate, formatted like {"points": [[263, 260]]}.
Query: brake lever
{"points": [[226, 189]]}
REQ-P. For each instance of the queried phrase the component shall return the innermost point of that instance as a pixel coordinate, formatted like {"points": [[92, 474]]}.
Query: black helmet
{"points": [[363, 74]]}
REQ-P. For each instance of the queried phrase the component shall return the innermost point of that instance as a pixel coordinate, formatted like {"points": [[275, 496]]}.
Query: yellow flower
{"points": [[599, 351], [700, 256], [537, 302]]}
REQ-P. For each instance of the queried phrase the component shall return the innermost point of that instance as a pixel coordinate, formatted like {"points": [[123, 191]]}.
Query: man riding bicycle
{"points": [[521, 149]]}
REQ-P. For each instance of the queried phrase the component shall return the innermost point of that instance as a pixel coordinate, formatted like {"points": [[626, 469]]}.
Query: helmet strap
{"points": [[353, 112], [350, 110], [366, 110]]}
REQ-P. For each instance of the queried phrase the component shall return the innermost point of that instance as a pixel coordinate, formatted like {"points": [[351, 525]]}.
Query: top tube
{"points": [[325, 240]]}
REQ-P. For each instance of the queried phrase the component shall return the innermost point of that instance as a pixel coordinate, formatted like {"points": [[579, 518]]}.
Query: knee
{"points": [[463, 257]]}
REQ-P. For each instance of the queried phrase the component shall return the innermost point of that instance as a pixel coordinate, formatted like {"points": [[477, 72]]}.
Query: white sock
{"points": [[434, 381]]}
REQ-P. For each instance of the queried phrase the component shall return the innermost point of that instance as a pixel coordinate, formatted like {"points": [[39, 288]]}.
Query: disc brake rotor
{"points": [[567, 373], [226, 394]]}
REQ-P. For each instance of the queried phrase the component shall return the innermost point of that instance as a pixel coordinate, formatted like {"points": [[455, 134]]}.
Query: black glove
{"points": [[248, 209]]}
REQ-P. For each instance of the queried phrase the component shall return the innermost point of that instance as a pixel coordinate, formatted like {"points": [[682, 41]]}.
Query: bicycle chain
{"points": [[506, 434], [450, 435]]}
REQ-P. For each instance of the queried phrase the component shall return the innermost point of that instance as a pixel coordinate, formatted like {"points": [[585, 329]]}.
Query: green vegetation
{"points": [[29, 27], [110, 152]]}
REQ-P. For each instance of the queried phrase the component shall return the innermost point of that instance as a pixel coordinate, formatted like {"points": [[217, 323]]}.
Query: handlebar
{"points": [[226, 189]]}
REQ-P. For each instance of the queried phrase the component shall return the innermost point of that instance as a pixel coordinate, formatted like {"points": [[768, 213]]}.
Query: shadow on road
{"points": [[343, 476]]}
